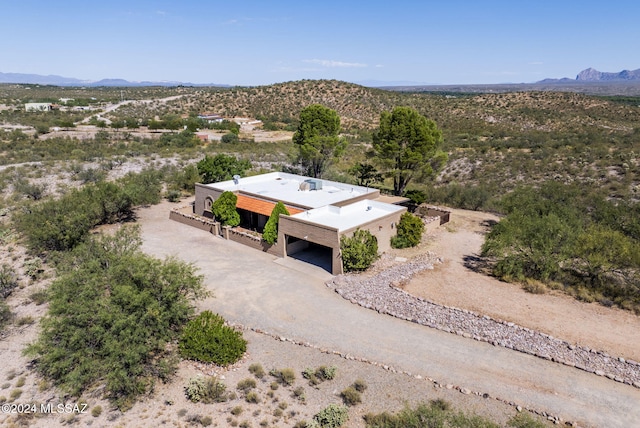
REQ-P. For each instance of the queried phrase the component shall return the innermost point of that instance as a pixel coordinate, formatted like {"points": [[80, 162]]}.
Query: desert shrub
{"points": [[332, 416], [435, 414], [224, 209], [252, 397], [108, 293], [205, 421], [5, 313], [96, 411], [410, 229], [229, 138], [173, 195], [236, 411], [284, 376], [246, 385], [358, 251], [207, 390], [350, 396], [206, 338], [270, 233], [319, 374], [524, 420], [8, 280], [359, 385], [195, 389], [257, 370]]}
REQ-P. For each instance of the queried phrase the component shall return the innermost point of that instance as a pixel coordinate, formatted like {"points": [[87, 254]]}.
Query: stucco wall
{"points": [[202, 192], [383, 229]]}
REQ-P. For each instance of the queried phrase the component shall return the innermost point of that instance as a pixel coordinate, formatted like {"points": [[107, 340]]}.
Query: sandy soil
{"points": [[451, 283]]}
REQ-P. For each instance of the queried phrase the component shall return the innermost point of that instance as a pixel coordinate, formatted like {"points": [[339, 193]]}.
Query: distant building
{"points": [[38, 107], [66, 100], [211, 117]]}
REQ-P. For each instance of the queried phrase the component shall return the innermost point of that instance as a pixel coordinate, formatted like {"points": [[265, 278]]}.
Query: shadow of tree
{"points": [[477, 264]]}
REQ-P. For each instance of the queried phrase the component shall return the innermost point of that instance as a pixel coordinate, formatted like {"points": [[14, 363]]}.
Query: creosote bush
{"points": [[206, 338], [351, 396], [257, 370], [284, 376]]}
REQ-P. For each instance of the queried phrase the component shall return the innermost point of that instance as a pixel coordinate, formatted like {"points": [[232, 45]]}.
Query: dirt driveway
{"points": [[251, 289], [452, 283]]}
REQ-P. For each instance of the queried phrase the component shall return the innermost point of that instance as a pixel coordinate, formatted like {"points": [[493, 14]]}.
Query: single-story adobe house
{"points": [[321, 212]]}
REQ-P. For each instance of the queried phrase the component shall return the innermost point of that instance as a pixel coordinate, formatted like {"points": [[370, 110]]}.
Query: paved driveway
{"points": [[258, 290]]}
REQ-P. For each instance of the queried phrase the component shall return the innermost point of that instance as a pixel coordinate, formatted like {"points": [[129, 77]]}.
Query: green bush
{"points": [[524, 420], [358, 251], [332, 416], [109, 294], [270, 233], [224, 209], [410, 229], [206, 338]]}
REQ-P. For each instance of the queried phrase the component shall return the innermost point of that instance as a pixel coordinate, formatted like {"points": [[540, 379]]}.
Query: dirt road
{"points": [[252, 290]]}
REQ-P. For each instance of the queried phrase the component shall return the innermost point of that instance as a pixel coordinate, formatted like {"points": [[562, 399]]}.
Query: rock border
{"points": [[381, 293]]}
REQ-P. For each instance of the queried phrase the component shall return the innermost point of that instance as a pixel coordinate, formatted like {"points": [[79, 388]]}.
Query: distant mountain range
{"points": [[593, 75], [37, 79]]}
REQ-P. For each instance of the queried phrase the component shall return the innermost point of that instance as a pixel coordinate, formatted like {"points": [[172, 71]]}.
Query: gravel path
{"points": [[381, 294]]}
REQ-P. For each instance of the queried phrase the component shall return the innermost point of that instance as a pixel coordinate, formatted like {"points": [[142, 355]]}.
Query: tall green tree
{"points": [[270, 233], [221, 167], [407, 146], [317, 138]]}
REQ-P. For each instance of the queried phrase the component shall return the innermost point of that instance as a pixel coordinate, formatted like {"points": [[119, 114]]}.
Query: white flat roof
{"points": [[349, 216], [281, 186]]}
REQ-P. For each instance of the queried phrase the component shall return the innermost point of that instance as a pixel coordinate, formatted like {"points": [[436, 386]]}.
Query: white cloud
{"points": [[334, 64]]}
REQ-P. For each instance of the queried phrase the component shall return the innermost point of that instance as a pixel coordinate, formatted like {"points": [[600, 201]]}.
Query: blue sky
{"points": [[263, 42]]}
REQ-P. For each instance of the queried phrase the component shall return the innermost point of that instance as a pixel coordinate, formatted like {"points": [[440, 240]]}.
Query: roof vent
{"points": [[236, 179]]}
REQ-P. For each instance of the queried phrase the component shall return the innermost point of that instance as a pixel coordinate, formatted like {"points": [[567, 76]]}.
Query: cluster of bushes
{"points": [[112, 312], [438, 413], [61, 224], [566, 237], [206, 338]]}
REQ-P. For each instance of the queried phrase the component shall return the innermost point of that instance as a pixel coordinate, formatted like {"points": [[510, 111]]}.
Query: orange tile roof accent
{"points": [[259, 206]]}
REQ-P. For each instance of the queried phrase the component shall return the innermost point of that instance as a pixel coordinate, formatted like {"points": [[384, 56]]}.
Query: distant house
{"points": [[211, 117], [66, 100], [38, 107]]}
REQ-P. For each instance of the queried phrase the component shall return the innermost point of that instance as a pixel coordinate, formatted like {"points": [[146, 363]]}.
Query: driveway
{"points": [[290, 299]]}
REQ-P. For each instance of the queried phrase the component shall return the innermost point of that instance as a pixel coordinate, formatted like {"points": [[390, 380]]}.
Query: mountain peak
{"points": [[593, 75]]}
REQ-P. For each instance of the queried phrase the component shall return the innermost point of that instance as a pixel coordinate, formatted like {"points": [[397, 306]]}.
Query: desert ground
{"points": [[292, 320]]}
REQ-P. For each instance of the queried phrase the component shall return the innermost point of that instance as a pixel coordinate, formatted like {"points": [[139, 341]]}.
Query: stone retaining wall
{"points": [[192, 220]]}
